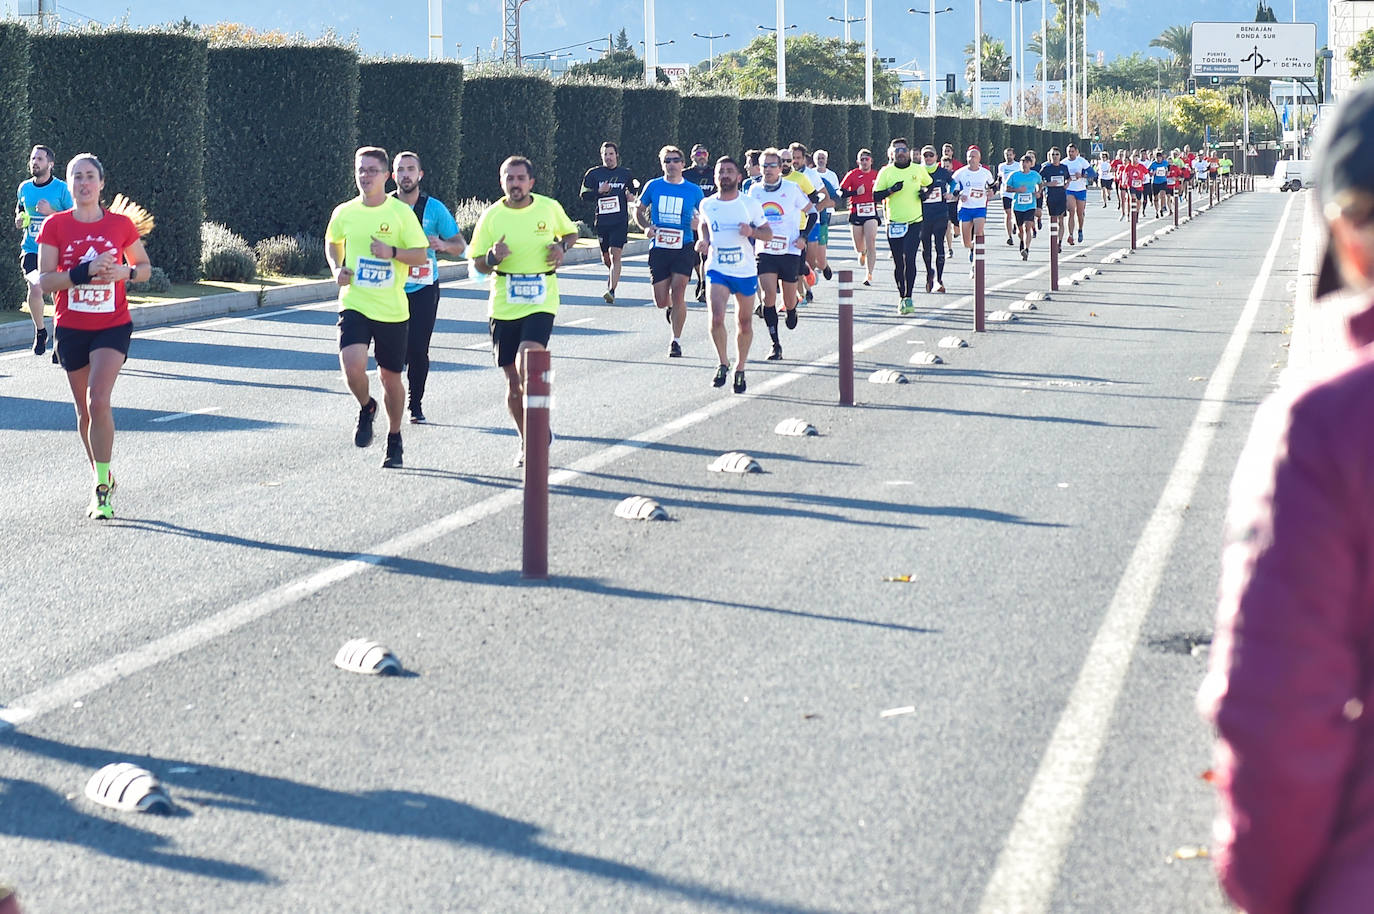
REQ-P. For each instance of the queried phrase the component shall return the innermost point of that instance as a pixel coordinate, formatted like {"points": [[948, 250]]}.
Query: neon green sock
{"points": [[102, 473]]}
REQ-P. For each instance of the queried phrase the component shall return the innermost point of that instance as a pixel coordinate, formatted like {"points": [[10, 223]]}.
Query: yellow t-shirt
{"points": [[805, 184], [523, 283], [905, 204], [378, 290]]}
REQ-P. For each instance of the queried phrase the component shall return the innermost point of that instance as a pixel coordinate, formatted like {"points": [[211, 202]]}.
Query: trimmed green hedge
{"points": [[151, 142], [588, 115], [923, 128], [432, 127], [507, 114], [14, 149], [711, 120], [948, 130], [830, 131], [758, 123], [860, 134], [795, 123], [651, 115], [902, 123], [278, 162]]}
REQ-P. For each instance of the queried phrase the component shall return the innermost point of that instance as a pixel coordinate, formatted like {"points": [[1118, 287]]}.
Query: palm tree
{"points": [[996, 60], [1178, 41]]}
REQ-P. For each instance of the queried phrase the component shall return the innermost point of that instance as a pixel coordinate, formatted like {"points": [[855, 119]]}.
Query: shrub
{"points": [[923, 132], [305, 132], [588, 114], [650, 117], [224, 255], [713, 121], [153, 148], [830, 131], [432, 129], [947, 130], [14, 144], [467, 212], [758, 123], [513, 113], [794, 122], [157, 283], [860, 120], [291, 255]]}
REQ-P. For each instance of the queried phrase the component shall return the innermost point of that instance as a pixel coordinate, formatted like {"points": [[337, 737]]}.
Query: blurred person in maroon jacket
{"points": [[1291, 683], [9, 902]]}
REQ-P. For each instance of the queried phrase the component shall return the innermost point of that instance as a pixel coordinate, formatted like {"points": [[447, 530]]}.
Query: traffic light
{"points": [[949, 82], [1216, 80], [1192, 86]]}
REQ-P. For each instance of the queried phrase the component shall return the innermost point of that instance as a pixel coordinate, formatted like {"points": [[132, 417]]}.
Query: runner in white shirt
{"points": [[830, 183], [1005, 170], [1077, 187], [730, 222], [813, 236], [786, 207], [973, 182]]}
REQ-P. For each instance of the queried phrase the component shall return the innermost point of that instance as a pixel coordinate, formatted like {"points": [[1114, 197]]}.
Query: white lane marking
{"points": [[580, 320], [486, 345], [72, 687], [195, 412], [1028, 868]]}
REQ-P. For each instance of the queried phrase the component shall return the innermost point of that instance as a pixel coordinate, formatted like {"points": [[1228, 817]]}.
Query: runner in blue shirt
{"points": [[37, 199], [422, 283], [1024, 187], [1159, 182], [666, 212]]}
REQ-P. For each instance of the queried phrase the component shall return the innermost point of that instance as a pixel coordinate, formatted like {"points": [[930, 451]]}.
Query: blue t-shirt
{"points": [[671, 207], [437, 221], [57, 195], [1022, 186], [1056, 178], [1160, 170]]}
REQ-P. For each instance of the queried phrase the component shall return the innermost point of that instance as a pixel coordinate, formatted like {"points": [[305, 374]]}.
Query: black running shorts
{"points": [[787, 267], [1057, 205], [388, 339], [506, 336], [667, 262], [28, 263], [612, 236], [74, 346]]}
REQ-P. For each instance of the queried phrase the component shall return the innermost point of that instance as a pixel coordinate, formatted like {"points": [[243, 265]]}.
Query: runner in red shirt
{"points": [[86, 255], [1136, 177], [856, 189], [947, 152]]}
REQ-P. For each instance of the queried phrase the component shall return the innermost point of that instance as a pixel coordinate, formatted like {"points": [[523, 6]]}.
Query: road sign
{"points": [[1285, 50], [1097, 148]]}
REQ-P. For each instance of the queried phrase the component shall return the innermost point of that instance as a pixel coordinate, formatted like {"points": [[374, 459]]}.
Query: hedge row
{"points": [[758, 122], [711, 120], [151, 143], [430, 124], [490, 100], [599, 107], [649, 120], [14, 148]]}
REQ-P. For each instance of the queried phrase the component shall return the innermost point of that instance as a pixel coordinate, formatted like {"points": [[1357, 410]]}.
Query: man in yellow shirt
{"points": [[522, 239], [371, 243], [900, 185]]}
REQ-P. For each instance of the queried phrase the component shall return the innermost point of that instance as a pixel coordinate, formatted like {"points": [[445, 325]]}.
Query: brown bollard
{"points": [[1177, 200], [1135, 218], [1054, 256], [846, 313], [1190, 202], [534, 565], [980, 257]]}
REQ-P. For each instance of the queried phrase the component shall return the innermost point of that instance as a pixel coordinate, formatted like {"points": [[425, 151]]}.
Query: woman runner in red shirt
{"points": [[86, 255], [856, 187]]}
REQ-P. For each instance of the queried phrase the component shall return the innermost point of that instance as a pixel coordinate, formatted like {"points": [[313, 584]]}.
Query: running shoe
{"points": [[792, 319], [1025, 253], [869, 281], [809, 297], [930, 281], [739, 382], [40, 341], [100, 508], [1008, 241], [970, 255], [1069, 239], [393, 452], [1080, 235], [777, 353], [701, 291], [827, 272], [906, 307], [758, 311], [417, 415], [722, 375], [674, 350], [940, 286], [362, 437], [609, 296]]}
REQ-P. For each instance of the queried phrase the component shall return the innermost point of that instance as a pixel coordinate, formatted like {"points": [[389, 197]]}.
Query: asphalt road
{"points": [[689, 715]]}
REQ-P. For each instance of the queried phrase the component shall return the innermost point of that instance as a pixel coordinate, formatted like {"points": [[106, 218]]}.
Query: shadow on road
{"points": [[29, 810], [29, 414]]}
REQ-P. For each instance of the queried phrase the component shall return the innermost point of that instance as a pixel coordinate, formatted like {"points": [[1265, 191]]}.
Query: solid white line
{"points": [[64, 691], [1028, 867], [580, 320], [198, 412]]}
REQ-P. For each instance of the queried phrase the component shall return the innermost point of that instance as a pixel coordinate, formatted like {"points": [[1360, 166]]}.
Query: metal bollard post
{"points": [[538, 400], [1054, 256], [1190, 202], [1177, 200], [979, 279], [846, 309], [1135, 218]]}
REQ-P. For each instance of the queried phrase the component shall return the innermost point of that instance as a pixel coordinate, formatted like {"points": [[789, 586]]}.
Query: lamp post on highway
{"points": [[846, 20], [782, 50], [711, 48], [932, 13], [977, 56]]}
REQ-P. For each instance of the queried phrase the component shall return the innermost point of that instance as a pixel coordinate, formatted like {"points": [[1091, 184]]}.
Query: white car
{"points": [[1295, 174]]}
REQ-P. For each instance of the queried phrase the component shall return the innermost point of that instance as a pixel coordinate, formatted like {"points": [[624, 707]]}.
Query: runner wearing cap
{"points": [[856, 192], [935, 201], [609, 186], [702, 175], [973, 182]]}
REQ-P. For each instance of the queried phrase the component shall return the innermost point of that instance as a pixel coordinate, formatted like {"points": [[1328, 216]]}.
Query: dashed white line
{"points": [[195, 412]]}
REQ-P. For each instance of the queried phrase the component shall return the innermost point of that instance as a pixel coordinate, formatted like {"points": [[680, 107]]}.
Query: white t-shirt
{"points": [[973, 187], [814, 177], [731, 253], [1200, 167], [1077, 167], [782, 207], [1005, 170], [830, 176]]}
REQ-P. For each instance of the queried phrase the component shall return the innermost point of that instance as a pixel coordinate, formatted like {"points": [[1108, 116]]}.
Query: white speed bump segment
{"points": [[1001, 317], [925, 358], [367, 657], [640, 507], [128, 788], [735, 462], [953, 342], [888, 375], [795, 428]]}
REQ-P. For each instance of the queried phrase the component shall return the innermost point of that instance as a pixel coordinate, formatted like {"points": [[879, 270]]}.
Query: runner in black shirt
{"points": [[1056, 178], [935, 201], [702, 175], [608, 184]]}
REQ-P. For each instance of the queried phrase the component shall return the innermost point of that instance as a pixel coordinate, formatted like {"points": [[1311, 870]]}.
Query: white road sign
{"points": [[1286, 50]]}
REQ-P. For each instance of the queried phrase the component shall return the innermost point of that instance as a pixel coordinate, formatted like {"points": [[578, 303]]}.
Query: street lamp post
{"points": [[932, 13], [650, 45], [846, 20], [977, 56], [868, 52], [711, 46], [782, 51], [1044, 66]]}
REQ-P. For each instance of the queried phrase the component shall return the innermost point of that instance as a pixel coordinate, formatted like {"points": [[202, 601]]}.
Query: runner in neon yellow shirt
{"points": [[900, 186]]}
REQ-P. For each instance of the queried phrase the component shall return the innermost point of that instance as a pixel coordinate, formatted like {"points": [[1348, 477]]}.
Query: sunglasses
{"points": [[667, 159], [928, 155]]}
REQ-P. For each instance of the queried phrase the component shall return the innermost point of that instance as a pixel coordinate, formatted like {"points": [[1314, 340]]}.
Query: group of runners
{"points": [[1155, 179], [755, 230]]}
